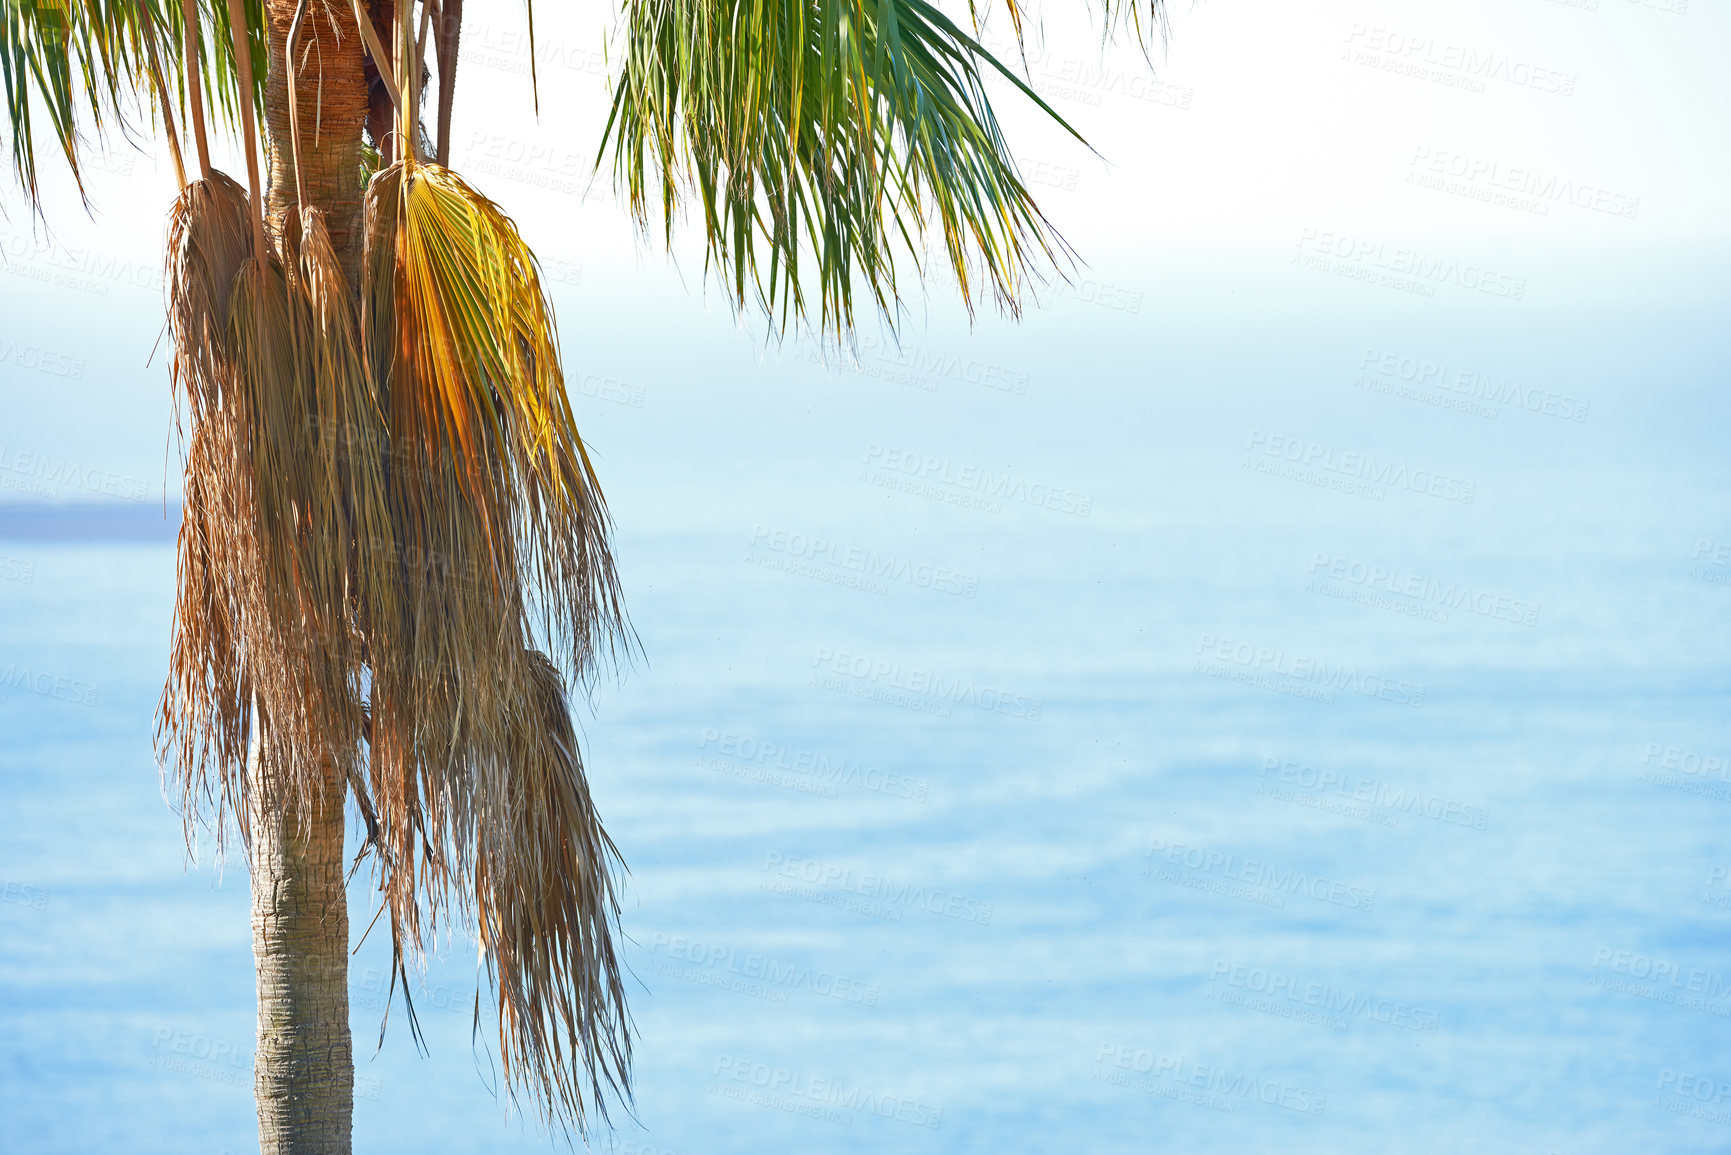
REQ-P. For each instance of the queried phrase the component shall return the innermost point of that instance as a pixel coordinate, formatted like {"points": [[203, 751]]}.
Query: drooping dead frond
{"points": [[547, 911], [500, 543], [274, 605], [303, 655], [208, 239], [205, 717]]}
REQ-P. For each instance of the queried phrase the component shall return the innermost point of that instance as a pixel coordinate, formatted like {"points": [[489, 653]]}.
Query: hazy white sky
{"points": [[1262, 118], [1523, 136]]}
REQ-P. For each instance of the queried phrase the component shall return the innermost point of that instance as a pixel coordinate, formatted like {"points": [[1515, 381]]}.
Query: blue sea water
{"points": [[1188, 789], [1272, 699]]}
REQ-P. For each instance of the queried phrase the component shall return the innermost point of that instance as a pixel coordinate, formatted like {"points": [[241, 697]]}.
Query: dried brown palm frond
{"points": [[205, 715], [271, 621], [500, 545], [209, 237], [303, 649], [205, 719], [547, 909]]}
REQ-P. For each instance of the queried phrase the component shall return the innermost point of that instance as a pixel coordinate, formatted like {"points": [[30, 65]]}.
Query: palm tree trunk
{"points": [[331, 91], [303, 1071], [304, 1067]]}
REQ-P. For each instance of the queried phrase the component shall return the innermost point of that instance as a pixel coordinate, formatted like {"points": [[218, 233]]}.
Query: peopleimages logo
{"points": [[1284, 880], [933, 362], [45, 259], [889, 681], [38, 473], [867, 563], [1262, 988], [57, 686], [20, 894], [768, 973], [1083, 80], [828, 876], [1471, 385], [1424, 591], [1694, 1086], [1455, 65], [1352, 469], [1209, 1077], [185, 1053], [1219, 655], [977, 482], [1687, 771], [507, 49], [1696, 1096], [16, 569], [832, 1093], [1718, 894], [747, 750], [1496, 178], [1687, 761], [1715, 553], [49, 361], [1378, 797], [1408, 268], [1662, 980]]}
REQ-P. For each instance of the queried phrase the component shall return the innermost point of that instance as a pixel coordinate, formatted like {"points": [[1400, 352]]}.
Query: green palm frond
{"points": [[55, 62], [1144, 19], [71, 69], [828, 130]]}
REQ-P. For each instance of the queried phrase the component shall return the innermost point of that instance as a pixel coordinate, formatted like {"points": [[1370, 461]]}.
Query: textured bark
{"points": [[304, 1067], [331, 91], [303, 1072], [381, 113], [450, 39]]}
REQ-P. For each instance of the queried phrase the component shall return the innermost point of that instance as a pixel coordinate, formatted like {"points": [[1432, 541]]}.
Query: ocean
{"points": [[1214, 740]]}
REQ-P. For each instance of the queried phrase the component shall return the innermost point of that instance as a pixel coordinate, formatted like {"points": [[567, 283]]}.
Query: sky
{"points": [[1380, 131]]}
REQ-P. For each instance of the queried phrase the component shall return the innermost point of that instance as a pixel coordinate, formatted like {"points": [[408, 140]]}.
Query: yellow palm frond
{"points": [[466, 350], [500, 546]]}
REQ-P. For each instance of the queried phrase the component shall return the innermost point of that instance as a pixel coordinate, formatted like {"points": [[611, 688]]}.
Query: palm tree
{"points": [[394, 557]]}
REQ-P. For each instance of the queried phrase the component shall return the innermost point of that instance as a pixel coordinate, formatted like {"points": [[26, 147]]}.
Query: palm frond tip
{"points": [[70, 70], [828, 131]]}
